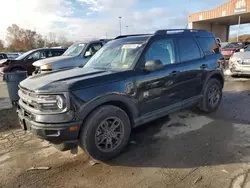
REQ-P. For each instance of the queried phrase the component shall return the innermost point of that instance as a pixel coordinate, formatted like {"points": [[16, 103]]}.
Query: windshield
{"points": [[234, 45], [24, 55], [248, 49], [74, 50], [116, 55]]}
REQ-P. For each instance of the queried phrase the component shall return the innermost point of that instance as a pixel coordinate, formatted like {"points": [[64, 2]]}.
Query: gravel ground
{"points": [[184, 149]]}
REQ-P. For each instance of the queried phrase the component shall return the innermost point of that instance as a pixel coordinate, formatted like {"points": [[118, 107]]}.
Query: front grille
{"points": [[28, 98]]}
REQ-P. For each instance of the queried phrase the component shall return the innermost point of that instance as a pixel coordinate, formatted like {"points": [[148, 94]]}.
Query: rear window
{"points": [[208, 45], [235, 45]]}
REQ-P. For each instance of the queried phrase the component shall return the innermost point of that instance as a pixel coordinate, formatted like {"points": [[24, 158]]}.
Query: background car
{"points": [[228, 50], [77, 54], [239, 63], [24, 61]]}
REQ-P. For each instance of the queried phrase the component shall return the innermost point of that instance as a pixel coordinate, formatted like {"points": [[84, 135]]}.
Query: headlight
{"points": [[46, 68], [51, 102], [239, 61]]}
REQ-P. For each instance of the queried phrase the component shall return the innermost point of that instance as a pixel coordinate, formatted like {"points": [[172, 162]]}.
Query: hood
{"points": [[69, 79], [51, 60], [3, 61], [242, 55]]}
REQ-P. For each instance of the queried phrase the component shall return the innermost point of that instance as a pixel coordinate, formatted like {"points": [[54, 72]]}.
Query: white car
{"points": [[239, 63]]}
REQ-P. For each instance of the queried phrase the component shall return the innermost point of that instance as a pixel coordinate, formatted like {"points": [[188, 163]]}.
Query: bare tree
{"points": [[1, 44], [20, 39]]}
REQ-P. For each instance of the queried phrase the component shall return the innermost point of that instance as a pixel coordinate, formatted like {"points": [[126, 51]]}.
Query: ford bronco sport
{"points": [[130, 81]]}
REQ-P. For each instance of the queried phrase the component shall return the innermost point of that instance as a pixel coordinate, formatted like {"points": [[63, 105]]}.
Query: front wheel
{"points": [[105, 133], [212, 96]]}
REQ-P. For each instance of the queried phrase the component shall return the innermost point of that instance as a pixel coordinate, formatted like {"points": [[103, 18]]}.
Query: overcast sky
{"points": [[79, 19]]}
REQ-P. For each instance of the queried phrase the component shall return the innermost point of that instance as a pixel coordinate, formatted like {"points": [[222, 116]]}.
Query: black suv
{"points": [[130, 81]]}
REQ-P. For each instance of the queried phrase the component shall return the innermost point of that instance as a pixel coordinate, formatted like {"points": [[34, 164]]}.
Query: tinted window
{"points": [[53, 53], [38, 55], [235, 45], [208, 45], [161, 50], [188, 49]]}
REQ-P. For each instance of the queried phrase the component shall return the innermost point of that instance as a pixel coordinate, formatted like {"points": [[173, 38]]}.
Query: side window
{"points": [[208, 45], [188, 49], [57, 53], [163, 50], [50, 53], [92, 49], [38, 55]]}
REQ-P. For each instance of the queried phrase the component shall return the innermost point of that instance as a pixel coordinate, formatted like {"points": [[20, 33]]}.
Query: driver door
{"points": [[34, 57], [159, 89]]}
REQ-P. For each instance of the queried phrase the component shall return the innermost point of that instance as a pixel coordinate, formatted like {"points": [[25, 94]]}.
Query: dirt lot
{"points": [[185, 149]]}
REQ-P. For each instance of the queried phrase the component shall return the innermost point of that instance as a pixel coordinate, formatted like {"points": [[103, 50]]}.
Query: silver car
{"points": [[77, 54], [239, 63]]}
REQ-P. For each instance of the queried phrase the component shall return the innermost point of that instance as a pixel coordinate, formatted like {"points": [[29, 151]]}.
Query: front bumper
{"points": [[63, 134], [237, 68]]}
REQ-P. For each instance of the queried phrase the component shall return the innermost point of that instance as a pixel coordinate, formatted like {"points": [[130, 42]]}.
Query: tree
{"points": [[62, 40], [20, 39], [244, 38], [1, 45]]}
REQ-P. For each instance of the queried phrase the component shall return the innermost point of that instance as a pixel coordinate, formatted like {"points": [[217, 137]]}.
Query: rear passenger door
{"points": [[190, 67]]}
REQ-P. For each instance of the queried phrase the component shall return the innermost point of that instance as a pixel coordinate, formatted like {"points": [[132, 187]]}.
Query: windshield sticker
{"points": [[131, 46], [81, 44]]}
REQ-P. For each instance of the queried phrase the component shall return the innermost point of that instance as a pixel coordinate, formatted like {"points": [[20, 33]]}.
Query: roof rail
{"points": [[124, 36], [165, 31]]}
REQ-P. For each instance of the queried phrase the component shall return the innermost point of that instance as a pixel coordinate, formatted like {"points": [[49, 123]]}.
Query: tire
{"points": [[17, 69], [205, 104], [93, 132]]}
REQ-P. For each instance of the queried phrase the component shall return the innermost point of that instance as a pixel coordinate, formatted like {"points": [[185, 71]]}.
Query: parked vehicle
{"points": [[130, 81], [3, 55], [24, 61], [77, 54], [239, 63], [233, 47]]}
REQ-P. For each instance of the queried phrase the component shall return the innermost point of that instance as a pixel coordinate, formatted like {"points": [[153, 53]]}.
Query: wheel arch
{"points": [[17, 67], [123, 102], [216, 75]]}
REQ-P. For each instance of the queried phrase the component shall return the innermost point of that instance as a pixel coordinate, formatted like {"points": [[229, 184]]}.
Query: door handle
{"points": [[204, 66], [174, 73]]}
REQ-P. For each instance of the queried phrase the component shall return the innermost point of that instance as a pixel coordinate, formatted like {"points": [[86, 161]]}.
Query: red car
{"points": [[228, 50]]}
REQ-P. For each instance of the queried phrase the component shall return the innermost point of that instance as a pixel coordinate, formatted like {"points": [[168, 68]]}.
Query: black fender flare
{"points": [[218, 74], [128, 102]]}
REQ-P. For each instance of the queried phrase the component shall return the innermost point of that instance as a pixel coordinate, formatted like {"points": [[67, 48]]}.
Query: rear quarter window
{"points": [[208, 45]]}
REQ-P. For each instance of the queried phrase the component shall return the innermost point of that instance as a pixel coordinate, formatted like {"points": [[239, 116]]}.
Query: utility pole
{"points": [[238, 34], [120, 18]]}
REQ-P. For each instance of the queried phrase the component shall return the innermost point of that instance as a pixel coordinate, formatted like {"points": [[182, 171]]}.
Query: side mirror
{"points": [[87, 54], [30, 58], [151, 66]]}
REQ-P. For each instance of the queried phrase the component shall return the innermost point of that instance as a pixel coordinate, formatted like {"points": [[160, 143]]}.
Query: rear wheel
{"points": [[212, 96], [105, 133]]}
